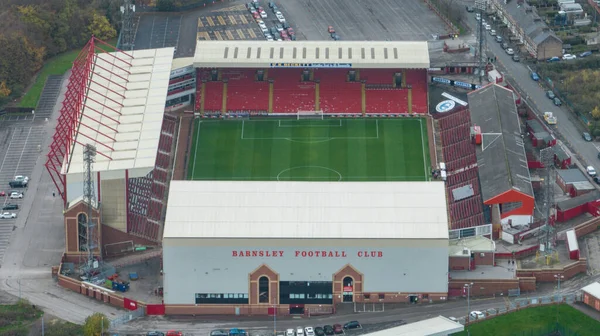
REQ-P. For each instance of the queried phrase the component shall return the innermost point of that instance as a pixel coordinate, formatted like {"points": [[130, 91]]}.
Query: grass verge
{"points": [[57, 65], [16, 318], [537, 321]]}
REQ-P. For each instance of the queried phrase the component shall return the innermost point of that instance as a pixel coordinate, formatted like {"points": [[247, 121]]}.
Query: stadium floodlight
{"points": [[309, 115]]}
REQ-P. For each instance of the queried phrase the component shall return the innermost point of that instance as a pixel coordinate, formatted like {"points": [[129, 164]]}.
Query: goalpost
{"points": [[303, 115]]}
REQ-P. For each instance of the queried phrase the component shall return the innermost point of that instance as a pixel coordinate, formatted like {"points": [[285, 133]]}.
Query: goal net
{"points": [[309, 115]]}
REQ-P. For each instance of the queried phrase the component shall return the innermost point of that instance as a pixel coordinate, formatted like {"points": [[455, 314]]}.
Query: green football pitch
{"points": [[310, 150]]}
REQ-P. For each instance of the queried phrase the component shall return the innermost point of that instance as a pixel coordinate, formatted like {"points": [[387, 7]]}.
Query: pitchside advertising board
{"points": [[410, 267], [451, 82], [311, 65], [182, 71]]}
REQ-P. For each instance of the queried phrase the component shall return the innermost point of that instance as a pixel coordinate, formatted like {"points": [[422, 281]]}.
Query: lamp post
{"points": [[467, 320], [558, 277], [275, 320]]}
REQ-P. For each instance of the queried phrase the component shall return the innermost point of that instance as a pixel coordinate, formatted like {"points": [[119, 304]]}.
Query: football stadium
{"points": [[307, 173]]}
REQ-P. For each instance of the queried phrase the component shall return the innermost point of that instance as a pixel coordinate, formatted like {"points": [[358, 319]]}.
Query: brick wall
{"points": [[459, 263], [485, 287], [547, 275], [487, 259], [587, 227]]}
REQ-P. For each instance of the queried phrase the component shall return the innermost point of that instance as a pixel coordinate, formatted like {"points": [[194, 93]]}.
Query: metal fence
{"points": [[119, 320], [368, 307]]}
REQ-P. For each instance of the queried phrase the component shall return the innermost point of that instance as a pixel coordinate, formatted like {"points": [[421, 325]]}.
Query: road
{"points": [[519, 72]]}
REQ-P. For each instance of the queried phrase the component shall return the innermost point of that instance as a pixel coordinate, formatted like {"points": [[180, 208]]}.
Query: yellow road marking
{"points": [[221, 20], [229, 35], [218, 35], [200, 24], [241, 34], [251, 33], [210, 21], [243, 19], [232, 19], [203, 36]]}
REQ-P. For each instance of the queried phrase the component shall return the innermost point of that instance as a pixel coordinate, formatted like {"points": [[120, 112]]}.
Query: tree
{"points": [[165, 5], [4, 90], [95, 324], [101, 28]]}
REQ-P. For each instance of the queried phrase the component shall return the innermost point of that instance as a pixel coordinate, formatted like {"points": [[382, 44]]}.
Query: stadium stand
{"points": [[386, 100], [336, 93], [461, 164], [290, 94], [378, 76], [213, 96], [417, 79], [244, 93]]}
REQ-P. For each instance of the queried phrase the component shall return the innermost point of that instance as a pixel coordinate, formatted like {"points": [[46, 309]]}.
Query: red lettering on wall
{"points": [[303, 254], [370, 254], [257, 254]]}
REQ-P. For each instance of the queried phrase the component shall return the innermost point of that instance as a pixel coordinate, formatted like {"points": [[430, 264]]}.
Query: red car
{"points": [[260, 9], [338, 329], [283, 34], [2, 193], [256, 15], [291, 31], [330, 30]]}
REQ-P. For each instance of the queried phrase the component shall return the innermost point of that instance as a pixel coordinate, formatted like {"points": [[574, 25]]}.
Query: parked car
{"points": [[279, 27], [273, 31], [585, 54], [7, 215], [510, 51], [477, 16], [504, 45], [597, 179], [557, 102], [256, 15], [299, 331], [271, 4], [270, 38], [553, 59], [289, 332], [550, 94], [470, 9], [338, 329], [352, 325], [309, 331], [488, 27], [155, 333], [275, 9], [10, 206], [2, 193], [476, 315], [18, 184], [285, 25], [16, 194], [263, 14], [280, 17], [21, 178], [252, 10], [599, 155], [330, 30], [499, 39], [493, 32], [219, 332], [328, 329], [174, 333], [291, 31], [262, 25], [568, 57], [516, 58], [535, 76], [587, 136], [283, 34], [590, 170], [319, 331]]}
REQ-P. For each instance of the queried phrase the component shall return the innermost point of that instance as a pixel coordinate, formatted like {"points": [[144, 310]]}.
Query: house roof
{"points": [[571, 175], [501, 157], [529, 21], [123, 112], [560, 153], [331, 210], [579, 200], [312, 54], [538, 129]]}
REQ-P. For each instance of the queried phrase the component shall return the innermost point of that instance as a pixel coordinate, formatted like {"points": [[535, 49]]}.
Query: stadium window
{"points": [[304, 53], [272, 52], [350, 53], [249, 53], [326, 53], [396, 53], [367, 296], [385, 53], [281, 53], [317, 51], [294, 53], [340, 53], [381, 296], [263, 290], [372, 53], [258, 50], [235, 52], [362, 53], [226, 52]]}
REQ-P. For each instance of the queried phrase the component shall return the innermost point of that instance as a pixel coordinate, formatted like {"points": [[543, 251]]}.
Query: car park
{"points": [[587, 136], [16, 194], [568, 57], [309, 331], [352, 325], [510, 51], [553, 59], [585, 54], [590, 170], [476, 315], [328, 329], [10, 206], [516, 58], [550, 94], [338, 329], [8, 215], [535, 76], [557, 102]]}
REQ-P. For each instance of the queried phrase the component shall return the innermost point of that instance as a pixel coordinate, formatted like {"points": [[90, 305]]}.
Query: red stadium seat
{"points": [[290, 94]]}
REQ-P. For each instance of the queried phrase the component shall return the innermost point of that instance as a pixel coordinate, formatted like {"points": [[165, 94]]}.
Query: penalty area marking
{"points": [[301, 167], [312, 140], [196, 147], [317, 126]]}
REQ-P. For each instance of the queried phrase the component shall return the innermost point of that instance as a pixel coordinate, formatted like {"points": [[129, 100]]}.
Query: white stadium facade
{"points": [[246, 247]]}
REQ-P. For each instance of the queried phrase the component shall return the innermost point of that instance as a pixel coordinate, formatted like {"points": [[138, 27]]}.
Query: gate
{"points": [[119, 320], [514, 292]]}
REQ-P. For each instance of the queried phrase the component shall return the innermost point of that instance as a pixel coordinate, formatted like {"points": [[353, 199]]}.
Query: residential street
{"points": [[518, 73]]}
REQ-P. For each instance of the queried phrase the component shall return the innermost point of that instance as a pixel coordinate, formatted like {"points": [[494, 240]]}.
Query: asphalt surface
{"points": [[569, 127], [360, 20], [157, 30]]}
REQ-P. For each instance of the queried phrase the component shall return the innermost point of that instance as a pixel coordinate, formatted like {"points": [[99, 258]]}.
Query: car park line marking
{"points": [[210, 21], [243, 19], [200, 24], [151, 33], [165, 35], [218, 36], [241, 34], [23, 151], [221, 20], [203, 36], [251, 33], [7, 150], [229, 35], [232, 19]]}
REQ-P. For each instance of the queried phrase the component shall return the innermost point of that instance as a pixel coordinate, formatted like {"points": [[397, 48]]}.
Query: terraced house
{"points": [[528, 28]]}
